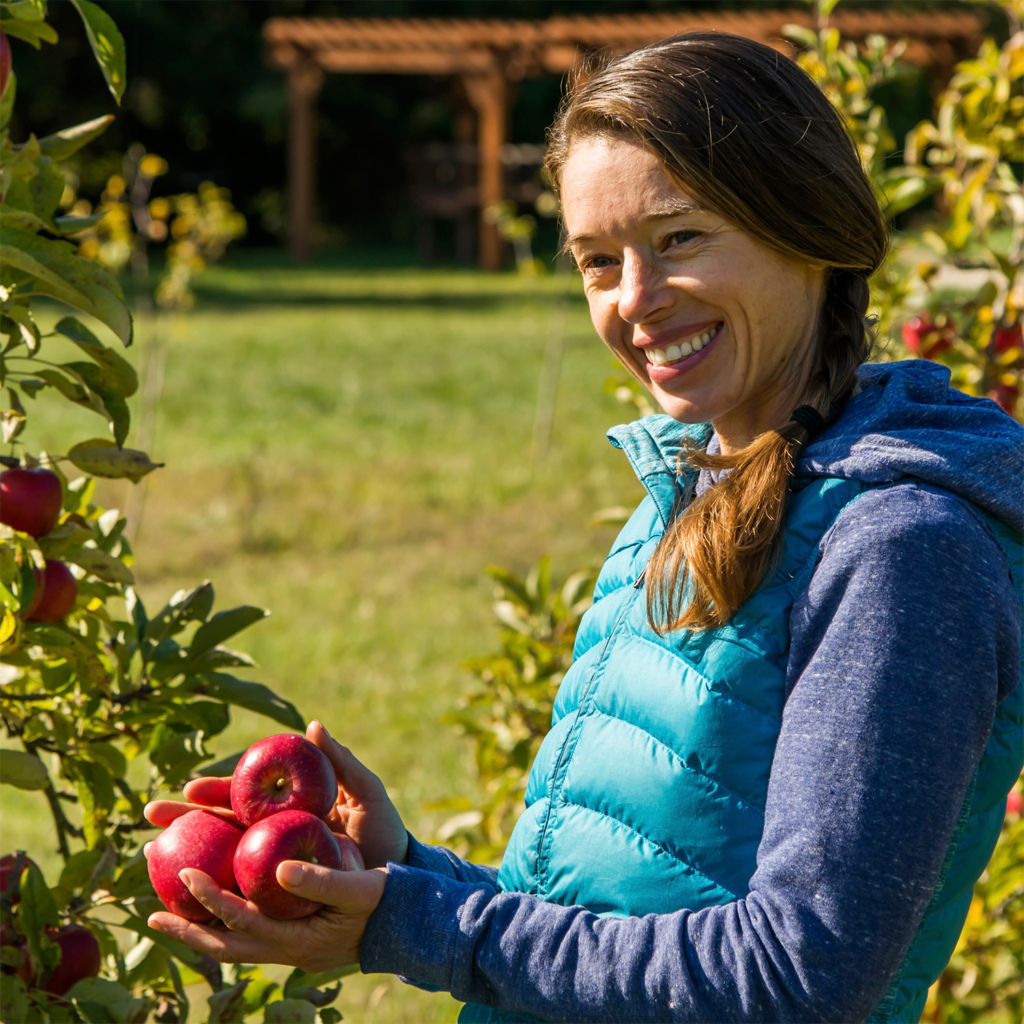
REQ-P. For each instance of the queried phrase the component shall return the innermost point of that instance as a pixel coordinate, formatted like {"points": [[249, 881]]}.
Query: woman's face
{"points": [[713, 323]]}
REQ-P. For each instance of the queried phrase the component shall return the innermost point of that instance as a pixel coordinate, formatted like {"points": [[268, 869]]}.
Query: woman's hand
{"points": [[325, 940], [363, 811]]}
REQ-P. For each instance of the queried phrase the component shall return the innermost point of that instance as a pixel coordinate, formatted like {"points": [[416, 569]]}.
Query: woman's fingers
{"points": [[227, 947], [209, 791], [162, 812], [351, 892], [237, 914], [353, 775]]}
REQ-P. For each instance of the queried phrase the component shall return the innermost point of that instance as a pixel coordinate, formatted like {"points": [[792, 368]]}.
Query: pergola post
{"points": [[304, 81], [489, 95]]}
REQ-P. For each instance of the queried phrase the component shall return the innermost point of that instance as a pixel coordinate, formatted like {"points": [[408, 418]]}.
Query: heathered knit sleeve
{"points": [[904, 642]]}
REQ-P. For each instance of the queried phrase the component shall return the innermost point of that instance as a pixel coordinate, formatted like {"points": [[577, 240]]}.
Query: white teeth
{"points": [[672, 354]]}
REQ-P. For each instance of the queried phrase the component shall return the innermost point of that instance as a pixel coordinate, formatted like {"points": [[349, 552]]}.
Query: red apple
{"points": [[30, 500], [199, 839], [59, 590], [80, 958], [1014, 802], [351, 857], [927, 338], [288, 835], [282, 773], [5, 63]]}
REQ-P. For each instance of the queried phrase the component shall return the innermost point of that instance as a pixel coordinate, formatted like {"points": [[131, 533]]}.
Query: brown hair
{"points": [[743, 129]]}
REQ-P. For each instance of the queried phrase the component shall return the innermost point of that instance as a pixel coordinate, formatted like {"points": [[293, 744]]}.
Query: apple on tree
{"points": [[55, 595], [80, 957], [31, 500]]}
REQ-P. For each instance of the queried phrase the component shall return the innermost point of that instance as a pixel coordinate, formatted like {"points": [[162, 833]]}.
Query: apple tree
{"points": [[103, 701]]}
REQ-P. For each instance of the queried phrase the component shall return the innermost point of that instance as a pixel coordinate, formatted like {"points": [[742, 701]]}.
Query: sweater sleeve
{"points": [[439, 861], [904, 642]]}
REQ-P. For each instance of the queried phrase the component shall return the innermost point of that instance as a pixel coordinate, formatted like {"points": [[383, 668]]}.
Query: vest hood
{"points": [[905, 422]]}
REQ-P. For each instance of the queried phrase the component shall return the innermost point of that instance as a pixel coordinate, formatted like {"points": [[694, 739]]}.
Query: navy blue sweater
{"points": [[906, 640]]}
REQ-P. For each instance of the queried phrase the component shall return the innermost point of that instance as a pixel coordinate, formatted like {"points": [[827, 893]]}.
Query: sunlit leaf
{"points": [[100, 457], [25, 771], [68, 141], [222, 626], [107, 44]]}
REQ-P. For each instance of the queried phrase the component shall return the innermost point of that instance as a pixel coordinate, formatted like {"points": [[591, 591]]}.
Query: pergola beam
{"points": [[489, 55]]}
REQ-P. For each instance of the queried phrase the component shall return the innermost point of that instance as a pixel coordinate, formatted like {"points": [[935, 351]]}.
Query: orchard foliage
{"points": [[115, 702], [510, 713]]}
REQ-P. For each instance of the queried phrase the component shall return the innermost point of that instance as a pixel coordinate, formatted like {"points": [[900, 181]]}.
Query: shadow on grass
{"points": [[210, 297]]}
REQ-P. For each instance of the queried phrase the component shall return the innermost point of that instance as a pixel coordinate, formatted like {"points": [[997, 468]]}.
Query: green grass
{"points": [[349, 449]]}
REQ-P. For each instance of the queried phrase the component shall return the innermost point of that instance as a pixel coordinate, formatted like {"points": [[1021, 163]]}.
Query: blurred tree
{"points": [[200, 94]]}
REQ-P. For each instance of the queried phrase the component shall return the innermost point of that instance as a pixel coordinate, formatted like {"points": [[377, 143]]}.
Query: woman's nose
{"points": [[642, 290]]}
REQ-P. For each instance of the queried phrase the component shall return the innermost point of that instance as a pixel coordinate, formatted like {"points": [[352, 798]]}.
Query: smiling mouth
{"points": [[677, 353]]}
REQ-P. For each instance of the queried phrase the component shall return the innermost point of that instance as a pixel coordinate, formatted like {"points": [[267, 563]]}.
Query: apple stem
{"points": [[279, 784]]}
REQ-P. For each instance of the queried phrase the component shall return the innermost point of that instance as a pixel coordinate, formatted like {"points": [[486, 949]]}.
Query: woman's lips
{"points": [[671, 371]]}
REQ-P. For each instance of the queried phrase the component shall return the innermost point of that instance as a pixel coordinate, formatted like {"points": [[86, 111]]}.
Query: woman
{"points": [[780, 759]]}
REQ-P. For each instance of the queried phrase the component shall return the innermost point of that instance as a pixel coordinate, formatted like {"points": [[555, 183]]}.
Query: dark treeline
{"points": [[201, 96]]}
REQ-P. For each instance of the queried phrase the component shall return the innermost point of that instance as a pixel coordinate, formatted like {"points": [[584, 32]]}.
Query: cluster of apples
{"points": [[281, 791], [80, 955], [31, 500]]}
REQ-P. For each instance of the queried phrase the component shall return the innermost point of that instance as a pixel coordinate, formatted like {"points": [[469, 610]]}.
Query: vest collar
{"points": [[653, 444]]}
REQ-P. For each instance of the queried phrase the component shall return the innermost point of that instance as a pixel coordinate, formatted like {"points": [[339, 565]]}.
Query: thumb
{"points": [[351, 892], [355, 778]]}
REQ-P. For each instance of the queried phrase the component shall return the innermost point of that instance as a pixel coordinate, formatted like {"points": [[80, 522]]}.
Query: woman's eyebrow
{"points": [[662, 209]]}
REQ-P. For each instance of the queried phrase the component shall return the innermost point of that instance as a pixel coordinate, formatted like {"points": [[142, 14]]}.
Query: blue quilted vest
{"points": [[648, 794]]}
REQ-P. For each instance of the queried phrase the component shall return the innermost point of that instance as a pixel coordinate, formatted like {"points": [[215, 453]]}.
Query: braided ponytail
{"points": [[744, 129], [717, 550]]}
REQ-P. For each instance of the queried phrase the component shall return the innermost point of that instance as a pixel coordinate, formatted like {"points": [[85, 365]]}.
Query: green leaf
{"points": [[184, 607], [100, 457], [33, 32], [61, 273], [63, 144], [24, 771], [13, 998], [95, 795], [178, 950], [100, 564], [36, 911], [12, 217], [254, 696], [79, 868], [257, 992], [107, 755], [226, 1005], [330, 1015], [109, 996], [68, 225], [25, 10], [106, 43], [12, 419], [118, 374], [299, 980], [223, 625], [290, 1011], [133, 880]]}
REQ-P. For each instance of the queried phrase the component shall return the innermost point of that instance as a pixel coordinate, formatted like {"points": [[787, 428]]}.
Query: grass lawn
{"points": [[349, 448]]}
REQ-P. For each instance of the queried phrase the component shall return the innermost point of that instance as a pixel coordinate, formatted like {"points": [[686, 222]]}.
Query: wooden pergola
{"points": [[490, 56]]}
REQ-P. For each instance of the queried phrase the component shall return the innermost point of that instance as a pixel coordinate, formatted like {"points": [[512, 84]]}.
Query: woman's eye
{"points": [[682, 237], [598, 263]]}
